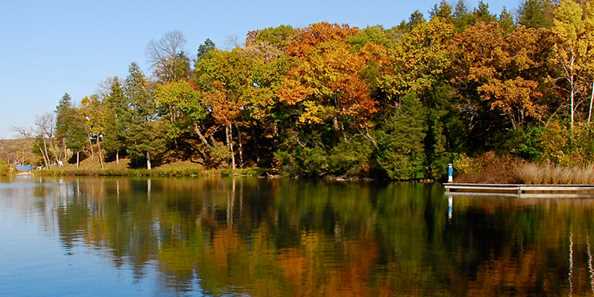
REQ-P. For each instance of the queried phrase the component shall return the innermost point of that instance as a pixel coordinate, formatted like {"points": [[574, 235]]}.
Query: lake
{"points": [[252, 237]]}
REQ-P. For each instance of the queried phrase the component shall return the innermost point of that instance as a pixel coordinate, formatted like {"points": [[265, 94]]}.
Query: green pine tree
{"points": [[400, 151], [116, 120], [415, 19], [76, 134], [145, 136], [63, 118], [462, 17], [204, 48], [536, 13], [483, 14], [62, 113], [442, 10], [506, 19]]}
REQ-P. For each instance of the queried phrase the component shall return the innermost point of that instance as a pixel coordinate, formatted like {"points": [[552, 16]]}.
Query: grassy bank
{"points": [[181, 169], [144, 172]]}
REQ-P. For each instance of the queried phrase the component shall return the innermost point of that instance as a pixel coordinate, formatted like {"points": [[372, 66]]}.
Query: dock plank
{"points": [[521, 190]]}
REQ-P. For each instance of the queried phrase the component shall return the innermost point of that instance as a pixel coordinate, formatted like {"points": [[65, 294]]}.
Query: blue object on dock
{"points": [[450, 173], [24, 168]]}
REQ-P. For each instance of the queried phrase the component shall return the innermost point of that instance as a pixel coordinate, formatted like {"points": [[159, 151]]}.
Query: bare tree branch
{"points": [[169, 46]]}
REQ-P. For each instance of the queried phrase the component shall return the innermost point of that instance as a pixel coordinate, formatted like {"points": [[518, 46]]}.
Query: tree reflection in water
{"points": [[296, 238]]}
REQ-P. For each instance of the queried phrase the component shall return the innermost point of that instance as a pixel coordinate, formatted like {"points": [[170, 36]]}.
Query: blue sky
{"points": [[51, 47]]}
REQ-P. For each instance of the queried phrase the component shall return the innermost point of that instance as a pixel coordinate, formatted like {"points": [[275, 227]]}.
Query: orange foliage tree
{"points": [[499, 66], [327, 85]]}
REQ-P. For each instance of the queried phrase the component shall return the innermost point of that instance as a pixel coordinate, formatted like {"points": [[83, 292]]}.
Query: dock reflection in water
{"points": [[203, 237]]}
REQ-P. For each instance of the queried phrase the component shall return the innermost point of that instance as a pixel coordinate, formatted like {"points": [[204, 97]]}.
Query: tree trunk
{"points": [[572, 92], [572, 96], [100, 153], [55, 149], [200, 135], [91, 148], [148, 161], [65, 150], [78, 159], [240, 146], [45, 160], [229, 138], [117, 158], [590, 110], [45, 153]]}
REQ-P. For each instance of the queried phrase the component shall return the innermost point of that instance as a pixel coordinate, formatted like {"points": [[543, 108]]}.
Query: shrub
{"points": [[584, 143], [554, 140], [351, 158], [4, 168], [526, 143], [304, 161], [312, 161], [559, 147], [486, 168], [463, 164], [219, 156], [284, 162]]}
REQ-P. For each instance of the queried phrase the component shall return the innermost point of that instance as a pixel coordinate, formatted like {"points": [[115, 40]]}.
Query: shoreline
{"points": [[157, 172], [261, 173], [477, 171]]}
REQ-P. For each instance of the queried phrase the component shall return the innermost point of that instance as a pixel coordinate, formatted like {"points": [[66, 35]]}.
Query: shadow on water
{"points": [[295, 238]]}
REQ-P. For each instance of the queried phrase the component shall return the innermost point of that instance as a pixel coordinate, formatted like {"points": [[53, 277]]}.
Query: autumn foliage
{"points": [[332, 99]]}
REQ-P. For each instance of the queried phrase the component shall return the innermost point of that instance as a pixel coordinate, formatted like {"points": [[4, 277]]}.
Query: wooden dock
{"points": [[520, 190]]}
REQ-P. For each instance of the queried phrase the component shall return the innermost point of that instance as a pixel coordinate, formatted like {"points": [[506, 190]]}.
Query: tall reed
{"points": [[531, 173]]}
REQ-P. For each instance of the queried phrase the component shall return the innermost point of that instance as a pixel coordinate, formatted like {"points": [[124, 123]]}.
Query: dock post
{"points": [[450, 173]]}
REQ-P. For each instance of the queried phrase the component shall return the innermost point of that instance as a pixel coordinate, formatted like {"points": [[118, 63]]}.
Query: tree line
{"points": [[331, 99]]}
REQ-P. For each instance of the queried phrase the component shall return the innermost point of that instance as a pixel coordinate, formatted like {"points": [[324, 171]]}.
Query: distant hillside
{"points": [[18, 150]]}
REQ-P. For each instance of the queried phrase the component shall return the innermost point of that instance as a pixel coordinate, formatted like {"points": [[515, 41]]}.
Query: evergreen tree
{"points": [[62, 115], [204, 48], [462, 17], [415, 19], [138, 94], [483, 14], [400, 143], [536, 13], [442, 10], [63, 121], [116, 120], [76, 136], [70, 128], [506, 20], [145, 137], [460, 10]]}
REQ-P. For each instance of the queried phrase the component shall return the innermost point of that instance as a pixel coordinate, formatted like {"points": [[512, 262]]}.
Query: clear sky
{"points": [[51, 47]]}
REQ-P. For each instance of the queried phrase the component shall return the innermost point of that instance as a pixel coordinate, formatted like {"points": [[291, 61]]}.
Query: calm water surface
{"points": [[249, 237]]}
